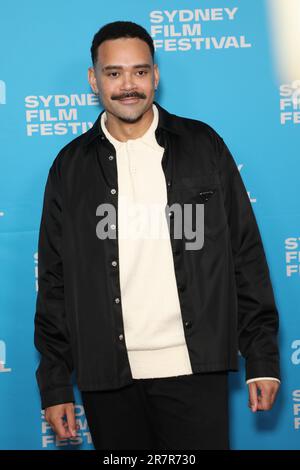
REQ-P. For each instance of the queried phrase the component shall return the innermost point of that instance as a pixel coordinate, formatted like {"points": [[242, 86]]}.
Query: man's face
{"points": [[124, 68]]}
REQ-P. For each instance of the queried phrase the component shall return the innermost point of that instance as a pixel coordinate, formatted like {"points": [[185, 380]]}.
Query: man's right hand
{"points": [[62, 420]]}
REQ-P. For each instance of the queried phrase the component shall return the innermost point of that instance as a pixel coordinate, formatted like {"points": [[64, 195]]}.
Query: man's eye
{"points": [[140, 72]]}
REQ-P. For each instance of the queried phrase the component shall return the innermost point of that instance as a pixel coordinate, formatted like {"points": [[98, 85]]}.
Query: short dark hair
{"points": [[120, 29]]}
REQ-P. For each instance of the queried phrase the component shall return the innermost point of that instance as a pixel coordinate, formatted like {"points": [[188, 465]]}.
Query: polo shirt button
{"points": [[171, 215], [113, 227], [111, 157], [188, 324], [169, 183], [114, 263], [102, 137], [113, 191], [117, 300], [121, 337]]}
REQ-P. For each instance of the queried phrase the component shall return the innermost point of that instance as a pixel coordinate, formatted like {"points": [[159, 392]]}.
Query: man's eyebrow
{"points": [[119, 67]]}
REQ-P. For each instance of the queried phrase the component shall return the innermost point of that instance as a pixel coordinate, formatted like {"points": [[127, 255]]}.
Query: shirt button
{"points": [[111, 157], [117, 300], [114, 263], [169, 183], [113, 191], [113, 227], [188, 324], [171, 215], [102, 137], [121, 337]]}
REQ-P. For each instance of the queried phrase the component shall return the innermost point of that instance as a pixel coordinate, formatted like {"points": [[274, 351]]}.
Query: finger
{"points": [[253, 396], [65, 424], [58, 427], [265, 401], [71, 420]]}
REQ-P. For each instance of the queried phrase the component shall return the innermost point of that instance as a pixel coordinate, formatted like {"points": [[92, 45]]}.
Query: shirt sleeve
{"points": [[258, 319], [262, 378], [51, 335]]}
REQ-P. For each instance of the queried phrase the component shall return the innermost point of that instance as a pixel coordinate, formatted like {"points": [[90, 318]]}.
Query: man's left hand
{"points": [[262, 394]]}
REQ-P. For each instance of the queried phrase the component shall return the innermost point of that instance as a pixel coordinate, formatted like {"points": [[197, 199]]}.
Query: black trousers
{"points": [[180, 412]]}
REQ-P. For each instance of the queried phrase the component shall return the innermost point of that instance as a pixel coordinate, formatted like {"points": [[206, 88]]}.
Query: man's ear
{"points": [[156, 76], [92, 79]]}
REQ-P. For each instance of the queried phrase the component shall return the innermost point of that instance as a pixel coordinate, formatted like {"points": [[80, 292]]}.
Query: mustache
{"points": [[129, 95]]}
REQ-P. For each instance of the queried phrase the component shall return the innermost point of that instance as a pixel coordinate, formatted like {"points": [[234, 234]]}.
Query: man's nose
{"points": [[128, 82]]}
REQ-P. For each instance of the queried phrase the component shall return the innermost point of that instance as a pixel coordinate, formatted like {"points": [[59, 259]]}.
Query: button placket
{"points": [[114, 264]]}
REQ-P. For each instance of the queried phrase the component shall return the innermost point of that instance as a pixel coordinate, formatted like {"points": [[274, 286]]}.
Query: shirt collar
{"points": [[166, 121], [147, 138]]}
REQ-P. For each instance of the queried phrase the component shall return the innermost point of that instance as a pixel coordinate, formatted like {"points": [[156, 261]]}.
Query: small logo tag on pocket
{"points": [[205, 195]]}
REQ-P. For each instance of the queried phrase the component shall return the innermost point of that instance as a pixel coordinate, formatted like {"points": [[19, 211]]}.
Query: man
{"points": [[151, 325]]}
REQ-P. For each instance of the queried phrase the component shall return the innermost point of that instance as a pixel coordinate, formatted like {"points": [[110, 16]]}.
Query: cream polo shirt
{"points": [[153, 327]]}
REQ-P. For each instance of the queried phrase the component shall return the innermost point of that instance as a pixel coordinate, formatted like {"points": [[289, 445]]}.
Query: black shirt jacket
{"points": [[226, 297]]}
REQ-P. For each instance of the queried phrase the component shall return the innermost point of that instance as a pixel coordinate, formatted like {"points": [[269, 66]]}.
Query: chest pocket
{"points": [[206, 190]]}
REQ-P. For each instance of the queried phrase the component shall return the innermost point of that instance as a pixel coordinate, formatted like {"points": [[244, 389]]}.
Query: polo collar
{"points": [[147, 138], [166, 121]]}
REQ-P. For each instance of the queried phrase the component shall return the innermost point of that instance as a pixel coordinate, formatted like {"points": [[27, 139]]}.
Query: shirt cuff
{"points": [[262, 378]]}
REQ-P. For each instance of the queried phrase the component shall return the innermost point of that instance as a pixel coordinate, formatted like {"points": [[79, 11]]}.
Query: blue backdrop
{"points": [[232, 64]]}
